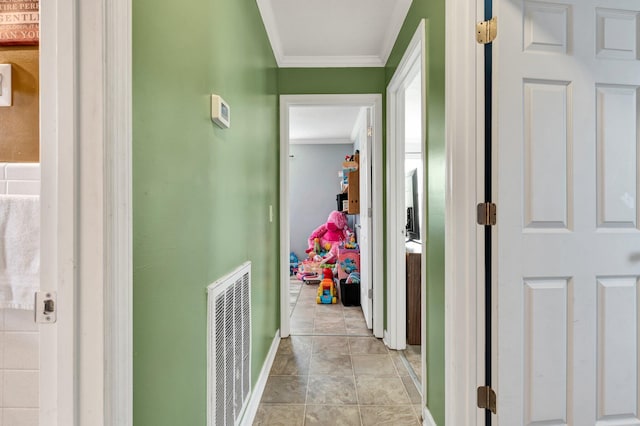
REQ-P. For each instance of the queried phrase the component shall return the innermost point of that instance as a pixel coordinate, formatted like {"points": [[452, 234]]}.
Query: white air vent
{"points": [[229, 347]]}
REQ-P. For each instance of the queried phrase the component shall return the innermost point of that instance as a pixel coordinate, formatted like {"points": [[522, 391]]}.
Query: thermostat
{"points": [[220, 112]]}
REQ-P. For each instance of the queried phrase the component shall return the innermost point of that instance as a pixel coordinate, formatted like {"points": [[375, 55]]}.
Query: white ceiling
{"points": [[322, 124], [332, 33]]}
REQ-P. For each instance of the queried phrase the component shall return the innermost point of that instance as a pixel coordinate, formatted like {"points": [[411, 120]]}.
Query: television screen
{"points": [[412, 205]]}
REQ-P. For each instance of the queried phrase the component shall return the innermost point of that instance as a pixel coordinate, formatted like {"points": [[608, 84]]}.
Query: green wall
{"points": [[316, 81], [434, 11], [201, 194]]}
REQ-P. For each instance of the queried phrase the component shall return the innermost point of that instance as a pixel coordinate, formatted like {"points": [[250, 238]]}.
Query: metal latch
{"points": [[45, 307], [487, 399], [487, 214], [487, 31]]}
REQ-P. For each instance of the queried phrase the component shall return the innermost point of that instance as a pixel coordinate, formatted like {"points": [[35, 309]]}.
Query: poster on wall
{"points": [[19, 23]]}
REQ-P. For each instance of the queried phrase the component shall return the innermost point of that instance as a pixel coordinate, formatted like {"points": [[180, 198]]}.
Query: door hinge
{"points": [[487, 399], [370, 294], [46, 309], [369, 212], [487, 31], [487, 214], [369, 131]]}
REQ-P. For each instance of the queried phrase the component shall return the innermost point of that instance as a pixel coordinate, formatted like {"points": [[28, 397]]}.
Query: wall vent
{"points": [[229, 347]]}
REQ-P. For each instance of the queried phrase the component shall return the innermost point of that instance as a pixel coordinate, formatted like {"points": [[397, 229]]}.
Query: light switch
{"points": [[5, 85]]}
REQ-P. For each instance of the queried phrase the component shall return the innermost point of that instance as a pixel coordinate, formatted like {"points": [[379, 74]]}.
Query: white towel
{"points": [[19, 250]]}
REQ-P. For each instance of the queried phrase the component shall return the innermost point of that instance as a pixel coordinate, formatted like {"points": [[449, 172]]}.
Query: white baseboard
{"points": [[385, 338], [256, 394], [427, 418]]}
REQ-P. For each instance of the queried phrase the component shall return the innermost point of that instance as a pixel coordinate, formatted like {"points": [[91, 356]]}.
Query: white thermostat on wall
{"points": [[220, 112]]}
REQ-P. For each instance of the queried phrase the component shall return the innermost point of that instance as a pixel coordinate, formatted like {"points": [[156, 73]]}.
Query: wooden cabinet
{"points": [[414, 297], [353, 189]]}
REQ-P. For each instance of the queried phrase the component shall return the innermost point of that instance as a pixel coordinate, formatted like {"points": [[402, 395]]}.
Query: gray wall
{"points": [[314, 184]]}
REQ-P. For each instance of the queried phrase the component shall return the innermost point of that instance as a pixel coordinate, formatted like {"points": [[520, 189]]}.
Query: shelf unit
{"points": [[353, 189]]}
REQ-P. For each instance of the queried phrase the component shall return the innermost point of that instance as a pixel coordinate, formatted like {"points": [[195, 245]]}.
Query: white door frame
{"points": [[85, 91], [414, 57], [464, 270], [364, 100]]}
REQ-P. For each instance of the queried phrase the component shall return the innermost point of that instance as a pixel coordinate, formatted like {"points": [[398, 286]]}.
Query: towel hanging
{"points": [[19, 250]]}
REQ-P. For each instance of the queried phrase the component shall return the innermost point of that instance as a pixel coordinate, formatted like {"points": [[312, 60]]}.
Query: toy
{"points": [[327, 289], [353, 278], [348, 262], [348, 265], [351, 242], [329, 235], [293, 263]]}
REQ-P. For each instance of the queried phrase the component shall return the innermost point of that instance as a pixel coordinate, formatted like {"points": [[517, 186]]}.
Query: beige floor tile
{"points": [[291, 364], [328, 320], [351, 323], [279, 415], [360, 332], [398, 363], [328, 364], [329, 415], [304, 312], [329, 329], [295, 344], [326, 390], [412, 391], [373, 365], [381, 391], [394, 416], [285, 390], [417, 408], [366, 345], [331, 345], [412, 353]]}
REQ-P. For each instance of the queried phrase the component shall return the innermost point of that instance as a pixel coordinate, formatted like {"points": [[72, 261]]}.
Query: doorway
{"points": [[406, 208], [368, 223]]}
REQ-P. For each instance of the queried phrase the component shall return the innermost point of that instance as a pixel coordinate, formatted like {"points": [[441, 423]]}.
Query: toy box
{"points": [[349, 293], [348, 262]]}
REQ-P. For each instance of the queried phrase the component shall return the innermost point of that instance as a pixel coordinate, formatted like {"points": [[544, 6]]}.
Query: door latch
{"points": [[487, 399], [46, 307]]}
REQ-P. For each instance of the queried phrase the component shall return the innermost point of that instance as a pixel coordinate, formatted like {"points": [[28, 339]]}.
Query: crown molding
{"points": [[269, 21], [395, 25]]}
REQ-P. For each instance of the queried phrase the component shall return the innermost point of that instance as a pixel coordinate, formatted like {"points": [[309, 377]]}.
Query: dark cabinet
{"points": [[414, 296]]}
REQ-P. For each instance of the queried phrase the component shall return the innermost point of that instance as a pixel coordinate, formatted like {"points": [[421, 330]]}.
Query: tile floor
{"points": [[412, 354], [332, 371]]}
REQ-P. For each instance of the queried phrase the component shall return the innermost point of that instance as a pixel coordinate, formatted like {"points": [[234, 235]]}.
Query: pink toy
{"points": [[330, 234]]}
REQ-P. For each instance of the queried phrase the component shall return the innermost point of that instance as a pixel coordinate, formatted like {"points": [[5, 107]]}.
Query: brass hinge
{"points": [[486, 31], [487, 214], [487, 399]]}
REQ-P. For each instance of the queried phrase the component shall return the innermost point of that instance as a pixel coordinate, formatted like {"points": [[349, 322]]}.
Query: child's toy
{"points": [[327, 289], [348, 262], [348, 265], [351, 242], [308, 268], [353, 278], [293, 263], [329, 235]]}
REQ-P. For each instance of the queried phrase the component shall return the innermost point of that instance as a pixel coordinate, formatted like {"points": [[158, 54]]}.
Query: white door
{"points": [[567, 86], [366, 287]]}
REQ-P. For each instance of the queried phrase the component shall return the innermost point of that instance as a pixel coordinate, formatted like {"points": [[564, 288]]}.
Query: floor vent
{"points": [[229, 347]]}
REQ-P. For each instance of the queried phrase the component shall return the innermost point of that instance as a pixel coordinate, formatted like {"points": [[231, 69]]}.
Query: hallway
{"points": [[332, 371]]}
